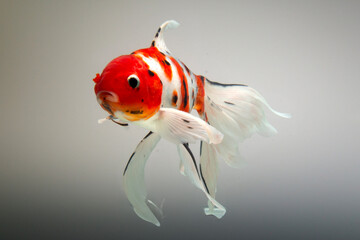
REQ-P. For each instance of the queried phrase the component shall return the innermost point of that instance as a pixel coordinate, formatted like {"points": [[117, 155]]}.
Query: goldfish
{"points": [[153, 89]]}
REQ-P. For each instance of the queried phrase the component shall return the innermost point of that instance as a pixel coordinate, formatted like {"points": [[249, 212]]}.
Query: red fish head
{"points": [[128, 90]]}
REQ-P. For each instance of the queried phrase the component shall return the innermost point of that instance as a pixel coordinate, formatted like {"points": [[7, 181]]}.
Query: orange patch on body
{"points": [[133, 113], [154, 53], [199, 102], [184, 106], [174, 98]]}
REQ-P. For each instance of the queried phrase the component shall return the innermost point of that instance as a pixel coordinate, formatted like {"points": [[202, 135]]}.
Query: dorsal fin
{"points": [[159, 37]]}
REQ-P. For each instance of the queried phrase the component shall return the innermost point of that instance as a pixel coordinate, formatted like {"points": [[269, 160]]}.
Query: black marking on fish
{"points": [[174, 99], [187, 69], [132, 53], [206, 118], [142, 100], [127, 165], [224, 85], [157, 34], [162, 53], [137, 112], [190, 127], [107, 107], [230, 103], [147, 135], [186, 97], [203, 179], [159, 30], [153, 43], [187, 121], [186, 145], [202, 79], [166, 62], [151, 73], [201, 142], [121, 124]]}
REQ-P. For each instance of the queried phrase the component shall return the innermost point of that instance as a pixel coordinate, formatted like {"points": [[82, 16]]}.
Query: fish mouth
{"points": [[107, 96], [109, 101], [106, 99]]}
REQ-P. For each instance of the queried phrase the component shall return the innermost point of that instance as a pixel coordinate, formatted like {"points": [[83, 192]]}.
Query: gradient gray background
{"points": [[61, 172]]}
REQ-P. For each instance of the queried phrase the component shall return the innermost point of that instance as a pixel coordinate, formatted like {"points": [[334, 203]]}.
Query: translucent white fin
{"points": [[209, 172], [133, 178], [181, 127], [158, 211], [159, 37], [238, 112], [181, 168], [192, 172]]}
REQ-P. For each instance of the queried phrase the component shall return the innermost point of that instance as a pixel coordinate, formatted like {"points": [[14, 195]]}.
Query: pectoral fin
{"points": [[181, 127]]}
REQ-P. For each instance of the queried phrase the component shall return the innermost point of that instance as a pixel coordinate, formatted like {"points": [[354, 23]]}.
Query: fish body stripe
{"points": [[182, 89], [199, 101], [157, 58]]}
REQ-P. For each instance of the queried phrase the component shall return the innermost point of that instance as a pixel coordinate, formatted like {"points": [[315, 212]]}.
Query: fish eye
{"points": [[133, 81]]}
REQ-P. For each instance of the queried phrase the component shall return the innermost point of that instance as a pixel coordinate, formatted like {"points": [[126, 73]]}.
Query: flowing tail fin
{"points": [[237, 111], [209, 172], [196, 176]]}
